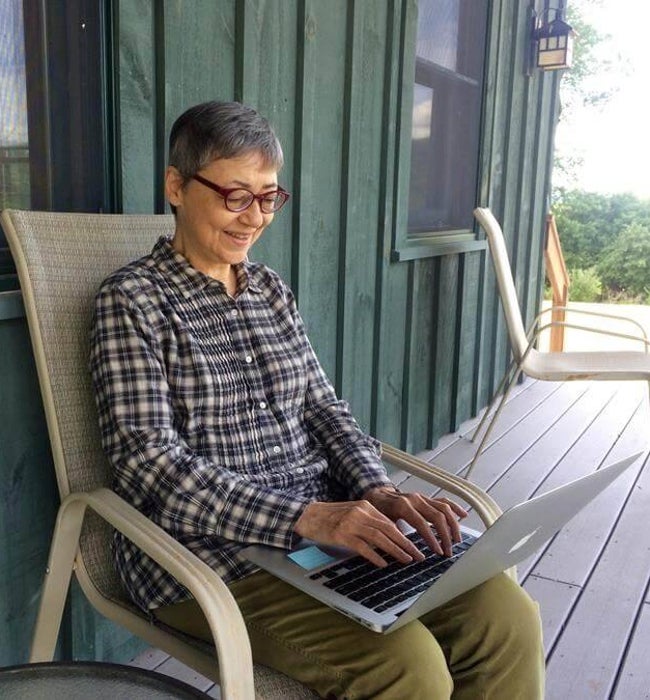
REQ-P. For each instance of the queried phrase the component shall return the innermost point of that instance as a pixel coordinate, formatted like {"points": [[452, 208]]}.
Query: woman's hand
{"points": [[368, 527], [421, 513], [359, 526]]}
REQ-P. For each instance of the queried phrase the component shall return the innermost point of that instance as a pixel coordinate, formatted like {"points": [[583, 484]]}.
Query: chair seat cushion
{"points": [[273, 685], [567, 366]]}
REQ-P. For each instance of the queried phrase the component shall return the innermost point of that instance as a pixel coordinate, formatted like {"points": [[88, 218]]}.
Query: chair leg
{"points": [[493, 401], [65, 544], [502, 401]]}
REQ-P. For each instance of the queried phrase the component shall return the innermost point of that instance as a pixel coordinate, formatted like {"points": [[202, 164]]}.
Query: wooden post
{"points": [[559, 279]]}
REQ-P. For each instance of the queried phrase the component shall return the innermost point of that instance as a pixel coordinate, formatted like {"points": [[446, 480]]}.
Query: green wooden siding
{"points": [[416, 346], [28, 495]]}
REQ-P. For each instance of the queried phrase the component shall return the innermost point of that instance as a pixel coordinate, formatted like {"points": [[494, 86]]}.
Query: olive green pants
{"points": [[484, 644]]}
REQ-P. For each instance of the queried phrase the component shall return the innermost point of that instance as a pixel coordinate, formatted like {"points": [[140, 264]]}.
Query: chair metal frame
{"points": [[549, 366]]}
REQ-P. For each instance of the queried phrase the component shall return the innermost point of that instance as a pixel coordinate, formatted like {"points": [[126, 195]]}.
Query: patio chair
{"points": [[61, 260], [609, 365]]}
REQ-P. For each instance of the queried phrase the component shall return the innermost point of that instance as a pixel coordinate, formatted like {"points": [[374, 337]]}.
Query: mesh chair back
{"points": [[61, 260]]}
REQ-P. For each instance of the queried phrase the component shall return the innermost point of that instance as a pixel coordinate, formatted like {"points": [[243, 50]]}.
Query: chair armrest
{"points": [[612, 334], [206, 586], [643, 338], [484, 505]]}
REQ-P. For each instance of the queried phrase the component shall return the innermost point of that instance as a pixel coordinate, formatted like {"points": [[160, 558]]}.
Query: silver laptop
{"points": [[384, 599]]}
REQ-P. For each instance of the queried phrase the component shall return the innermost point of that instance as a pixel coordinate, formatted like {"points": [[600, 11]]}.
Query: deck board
{"points": [[634, 679], [556, 599], [601, 624], [594, 598]]}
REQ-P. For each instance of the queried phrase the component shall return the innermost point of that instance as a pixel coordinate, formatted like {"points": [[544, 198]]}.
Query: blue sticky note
{"points": [[311, 557]]}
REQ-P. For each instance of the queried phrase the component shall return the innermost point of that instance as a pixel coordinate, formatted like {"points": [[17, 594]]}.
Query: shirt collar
{"points": [[189, 280]]}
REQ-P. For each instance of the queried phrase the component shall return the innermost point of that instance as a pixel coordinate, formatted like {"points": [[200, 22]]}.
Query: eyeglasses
{"points": [[239, 199]]}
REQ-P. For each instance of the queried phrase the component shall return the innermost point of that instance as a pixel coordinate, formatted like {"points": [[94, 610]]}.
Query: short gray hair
{"points": [[213, 130]]}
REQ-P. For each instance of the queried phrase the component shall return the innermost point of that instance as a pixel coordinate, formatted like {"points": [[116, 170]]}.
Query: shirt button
{"points": [[248, 359], [277, 449], [300, 470], [262, 404], [234, 312]]}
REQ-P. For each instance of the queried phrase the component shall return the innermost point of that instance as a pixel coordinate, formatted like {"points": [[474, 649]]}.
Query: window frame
{"points": [[69, 111], [412, 246]]}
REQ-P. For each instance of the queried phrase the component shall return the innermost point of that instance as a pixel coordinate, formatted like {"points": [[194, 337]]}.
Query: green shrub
{"points": [[548, 290], [585, 285]]}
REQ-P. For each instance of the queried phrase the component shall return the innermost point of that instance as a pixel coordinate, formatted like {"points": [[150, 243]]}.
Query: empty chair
{"points": [[548, 366]]}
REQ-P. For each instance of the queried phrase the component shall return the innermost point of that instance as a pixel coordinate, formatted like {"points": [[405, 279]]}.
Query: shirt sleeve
{"points": [[354, 458], [187, 494]]}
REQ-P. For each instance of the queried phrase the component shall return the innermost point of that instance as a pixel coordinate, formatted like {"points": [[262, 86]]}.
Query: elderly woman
{"points": [[222, 427]]}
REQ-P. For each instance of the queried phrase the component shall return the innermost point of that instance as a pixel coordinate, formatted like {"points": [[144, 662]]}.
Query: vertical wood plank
{"points": [[199, 54], [491, 169], [422, 351], [499, 195], [322, 72], [548, 105], [444, 369], [468, 340], [137, 105], [534, 130], [392, 278], [28, 492], [266, 56], [362, 161]]}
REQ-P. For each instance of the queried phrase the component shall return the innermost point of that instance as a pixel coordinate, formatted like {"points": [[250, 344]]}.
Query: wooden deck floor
{"points": [[592, 580]]}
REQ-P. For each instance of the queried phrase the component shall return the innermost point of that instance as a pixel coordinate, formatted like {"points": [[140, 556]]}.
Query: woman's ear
{"points": [[174, 185]]}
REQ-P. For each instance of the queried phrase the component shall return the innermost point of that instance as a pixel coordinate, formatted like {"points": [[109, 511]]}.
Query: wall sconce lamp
{"points": [[552, 40]]}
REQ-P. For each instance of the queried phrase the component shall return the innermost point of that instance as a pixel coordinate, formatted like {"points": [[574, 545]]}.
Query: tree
{"points": [[625, 264], [591, 81], [589, 222]]}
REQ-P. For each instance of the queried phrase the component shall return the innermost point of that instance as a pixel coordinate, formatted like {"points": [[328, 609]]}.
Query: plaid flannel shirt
{"points": [[219, 422]]}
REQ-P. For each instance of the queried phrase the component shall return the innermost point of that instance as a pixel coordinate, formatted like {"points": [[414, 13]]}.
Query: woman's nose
{"points": [[253, 216]]}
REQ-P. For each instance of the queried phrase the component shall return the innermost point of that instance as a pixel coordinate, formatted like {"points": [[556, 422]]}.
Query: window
{"points": [[446, 121], [14, 153]]}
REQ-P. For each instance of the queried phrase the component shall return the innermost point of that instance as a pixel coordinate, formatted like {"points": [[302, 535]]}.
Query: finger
{"points": [[414, 510], [361, 547], [377, 531], [422, 512], [380, 532], [427, 513], [396, 545], [440, 524], [457, 509], [444, 522], [449, 510], [373, 544], [450, 513]]}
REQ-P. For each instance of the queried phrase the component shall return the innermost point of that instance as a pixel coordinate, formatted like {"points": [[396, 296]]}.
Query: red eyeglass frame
{"points": [[261, 198]]}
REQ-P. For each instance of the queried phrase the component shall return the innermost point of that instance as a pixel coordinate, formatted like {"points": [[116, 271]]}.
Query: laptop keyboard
{"points": [[382, 588]]}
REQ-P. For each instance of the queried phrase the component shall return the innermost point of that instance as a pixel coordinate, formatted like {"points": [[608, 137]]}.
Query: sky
{"points": [[614, 141]]}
